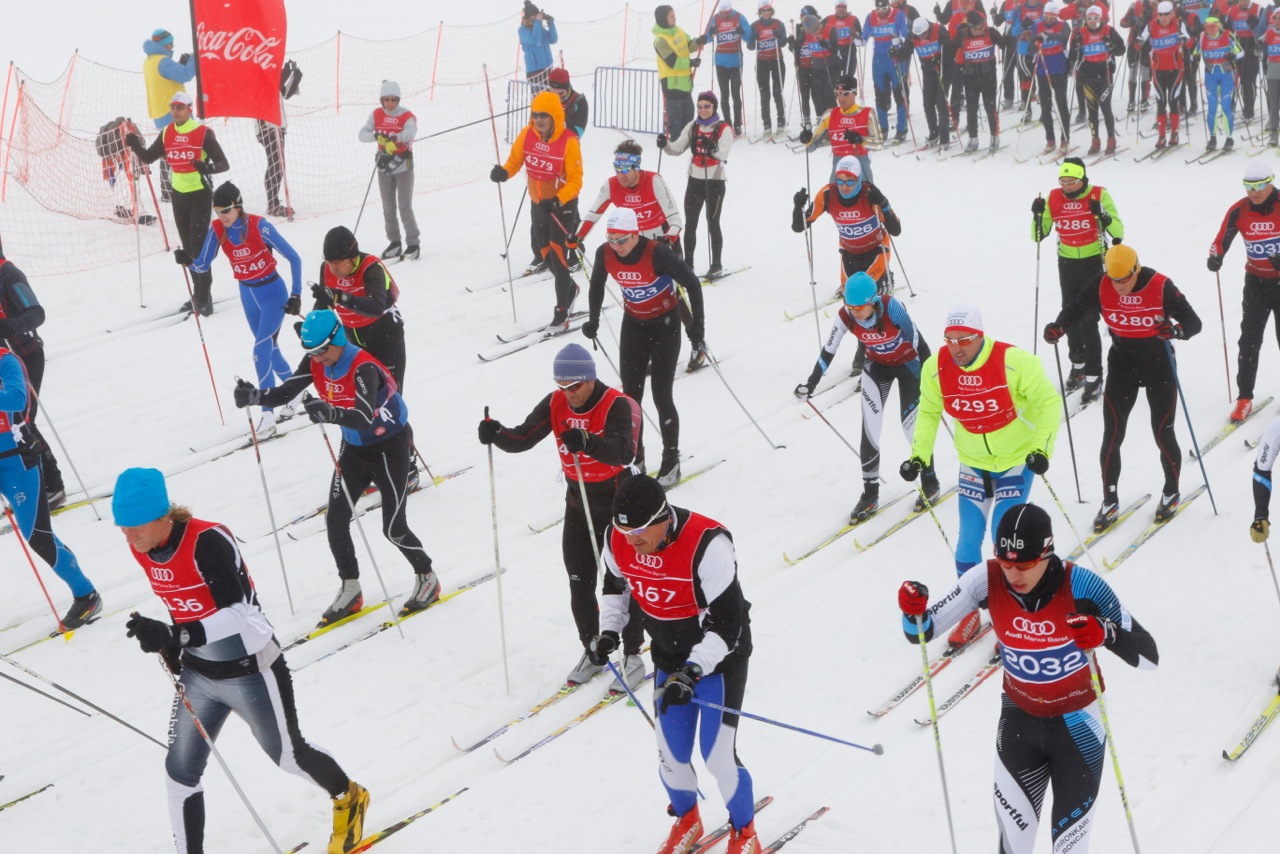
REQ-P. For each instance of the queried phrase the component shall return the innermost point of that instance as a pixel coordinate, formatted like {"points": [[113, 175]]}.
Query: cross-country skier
{"points": [[1143, 309], [843, 32], [1049, 615], [888, 29], [1167, 35], [1263, 464], [1092, 50], [222, 648], [931, 45], [709, 139], [642, 190], [1138, 56], [596, 431], [1256, 218], [975, 54], [1049, 57], [1006, 415], [394, 128], [726, 31], [699, 623], [21, 486], [647, 273], [814, 78], [576, 108], [847, 128], [249, 242], [1221, 54], [1271, 50], [768, 39], [675, 69], [1081, 212], [193, 154], [359, 395], [895, 351]]}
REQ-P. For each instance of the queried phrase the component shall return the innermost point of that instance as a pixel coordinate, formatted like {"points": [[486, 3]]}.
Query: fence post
{"points": [[435, 63], [66, 87], [8, 152], [337, 74], [626, 25]]}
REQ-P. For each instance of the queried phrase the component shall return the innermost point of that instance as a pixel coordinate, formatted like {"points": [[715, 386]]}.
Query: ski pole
{"points": [[195, 719], [497, 565], [808, 245], [200, 330], [632, 694], [1266, 548], [57, 438], [877, 749], [367, 190], [715, 364], [1072, 525], [1222, 316], [346, 492], [271, 513], [45, 694], [22, 541], [1066, 419], [76, 697], [839, 435], [595, 345], [937, 734], [1035, 316], [894, 250], [1173, 364], [1111, 748], [586, 511], [936, 521], [523, 195], [497, 153]]}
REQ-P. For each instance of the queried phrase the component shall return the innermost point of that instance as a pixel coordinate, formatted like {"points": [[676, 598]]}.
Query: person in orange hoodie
{"points": [[552, 159]]}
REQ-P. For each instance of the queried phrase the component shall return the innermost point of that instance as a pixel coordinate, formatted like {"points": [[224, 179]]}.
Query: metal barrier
{"points": [[627, 99], [519, 97]]}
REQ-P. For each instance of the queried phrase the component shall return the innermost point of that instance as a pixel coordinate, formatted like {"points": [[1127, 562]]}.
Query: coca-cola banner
{"points": [[241, 51]]}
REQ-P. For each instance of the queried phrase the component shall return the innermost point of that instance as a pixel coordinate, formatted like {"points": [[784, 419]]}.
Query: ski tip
{"points": [[878, 749], [501, 758], [1227, 756], [789, 560], [456, 746]]}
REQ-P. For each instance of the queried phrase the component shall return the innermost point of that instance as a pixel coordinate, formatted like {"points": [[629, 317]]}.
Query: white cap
{"points": [[390, 89], [623, 220], [182, 98], [849, 164], [1258, 170], [964, 317], [1094, 11], [764, 3], [724, 6], [1164, 8], [1052, 8], [919, 26]]}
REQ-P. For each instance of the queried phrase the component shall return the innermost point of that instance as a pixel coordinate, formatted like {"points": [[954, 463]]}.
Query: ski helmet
{"points": [[1024, 534], [640, 502], [140, 497], [320, 330], [227, 196], [1122, 261], [859, 289]]}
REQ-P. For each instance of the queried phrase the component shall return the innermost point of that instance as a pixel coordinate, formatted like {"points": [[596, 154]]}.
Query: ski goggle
{"points": [[1120, 280], [617, 238], [626, 162], [324, 345], [1093, 19], [572, 386], [1255, 186], [640, 530], [539, 115], [221, 211], [840, 90], [962, 340], [846, 182], [1018, 565]]}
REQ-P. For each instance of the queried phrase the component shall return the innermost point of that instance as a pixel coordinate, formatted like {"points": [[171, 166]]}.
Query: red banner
{"points": [[240, 47]]}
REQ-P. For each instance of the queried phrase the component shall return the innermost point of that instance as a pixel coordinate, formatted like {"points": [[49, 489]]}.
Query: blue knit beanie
{"points": [[164, 38], [140, 497], [574, 364]]}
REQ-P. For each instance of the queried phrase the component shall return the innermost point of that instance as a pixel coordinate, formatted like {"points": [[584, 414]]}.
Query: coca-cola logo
{"points": [[246, 44]]}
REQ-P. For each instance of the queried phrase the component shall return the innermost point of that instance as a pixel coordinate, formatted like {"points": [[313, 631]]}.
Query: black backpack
{"points": [[290, 79]]}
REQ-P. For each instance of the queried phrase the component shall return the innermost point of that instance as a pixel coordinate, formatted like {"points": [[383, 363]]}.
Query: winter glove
{"points": [[702, 39], [488, 431], [6, 329], [204, 167], [183, 257], [662, 140], [341, 298], [184, 59], [152, 635], [697, 332], [1166, 329], [575, 440], [678, 689], [1037, 206], [1116, 241], [246, 394], [804, 391], [913, 598], [320, 293], [552, 206], [133, 141], [498, 174], [1053, 333], [591, 329], [319, 411], [937, 11], [1214, 263], [1259, 530], [801, 198], [601, 647], [695, 62], [571, 243], [1037, 462], [806, 136], [1095, 208], [854, 137], [294, 305], [911, 469], [1090, 632]]}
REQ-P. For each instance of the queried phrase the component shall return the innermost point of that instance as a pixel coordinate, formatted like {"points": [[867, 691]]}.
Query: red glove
{"points": [[913, 598], [1087, 631]]}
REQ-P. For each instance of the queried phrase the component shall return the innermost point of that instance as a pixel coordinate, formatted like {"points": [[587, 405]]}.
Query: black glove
{"points": [[571, 243], [602, 646], [1116, 241], [804, 391], [183, 257], [1037, 462], [1167, 329], [184, 59], [937, 11], [854, 137], [319, 411], [695, 62], [341, 298], [1095, 208], [801, 198], [204, 167], [320, 293], [294, 305], [806, 136], [1053, 333], [488, 431], [246, 394], [6, 329], [662, 140], [697, 332], [575, 440], [702, 39], [152, 635], [498, 174], [678, 689], [1037, 206], [552, 205], [1215, 263], [133, 140], [911, 469], [591, 329]]}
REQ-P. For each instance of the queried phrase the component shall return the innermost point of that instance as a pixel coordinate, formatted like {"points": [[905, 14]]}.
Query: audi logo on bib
{"points": [[651, 561], [1031, 627], [539, 145], [1130, 299], [162, 573], [969, 380], [633, 199], [1261, 225], [628, 276], [241, 252]]}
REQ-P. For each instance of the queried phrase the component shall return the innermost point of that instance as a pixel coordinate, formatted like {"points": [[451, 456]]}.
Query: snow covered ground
{"points": [[828, 644]]}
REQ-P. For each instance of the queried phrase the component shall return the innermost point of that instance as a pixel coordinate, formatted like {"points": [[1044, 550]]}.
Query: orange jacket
{"points": [[569, 184]]}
